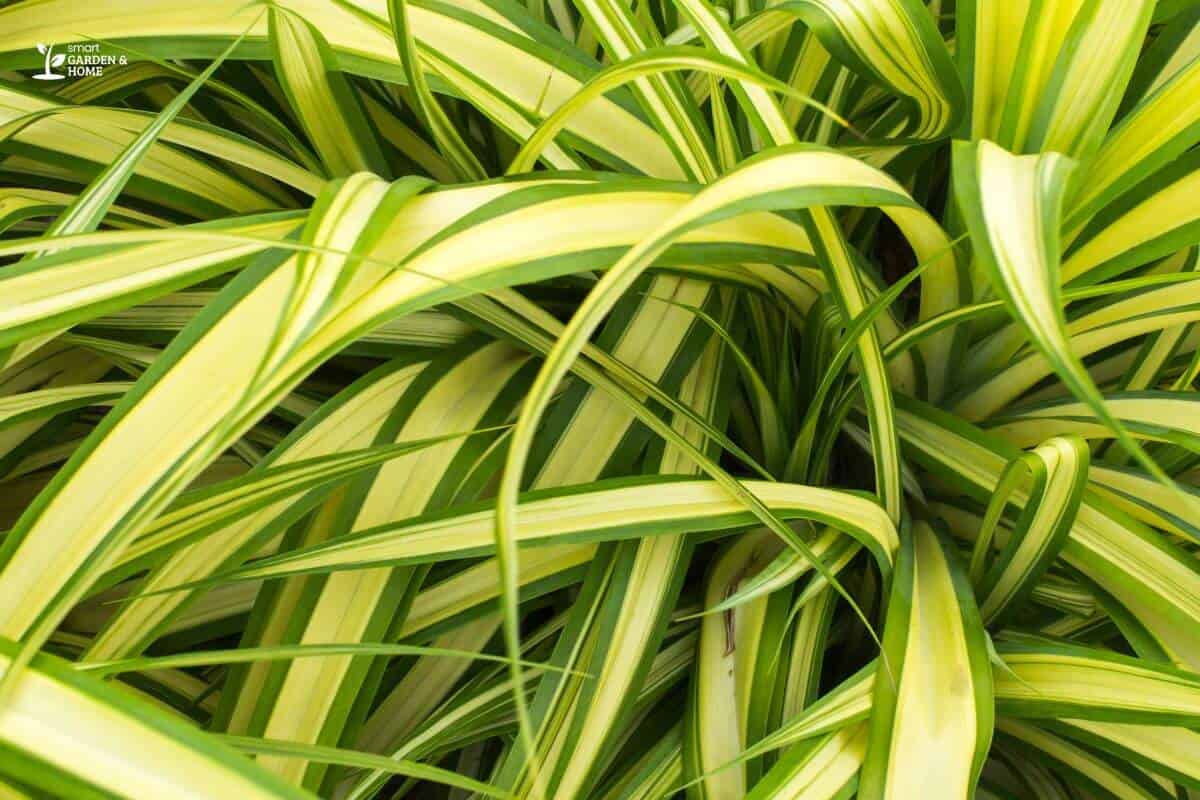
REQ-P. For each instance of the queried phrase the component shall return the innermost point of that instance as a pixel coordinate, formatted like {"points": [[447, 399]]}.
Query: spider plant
{"points": [[599, 399]]}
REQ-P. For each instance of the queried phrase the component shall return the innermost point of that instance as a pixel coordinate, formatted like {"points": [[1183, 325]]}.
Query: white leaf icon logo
{"points": [[58, 60], [41, 48]]}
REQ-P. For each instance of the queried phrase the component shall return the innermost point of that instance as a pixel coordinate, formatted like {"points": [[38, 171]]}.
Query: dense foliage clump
{"points": [[599, 400]]}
